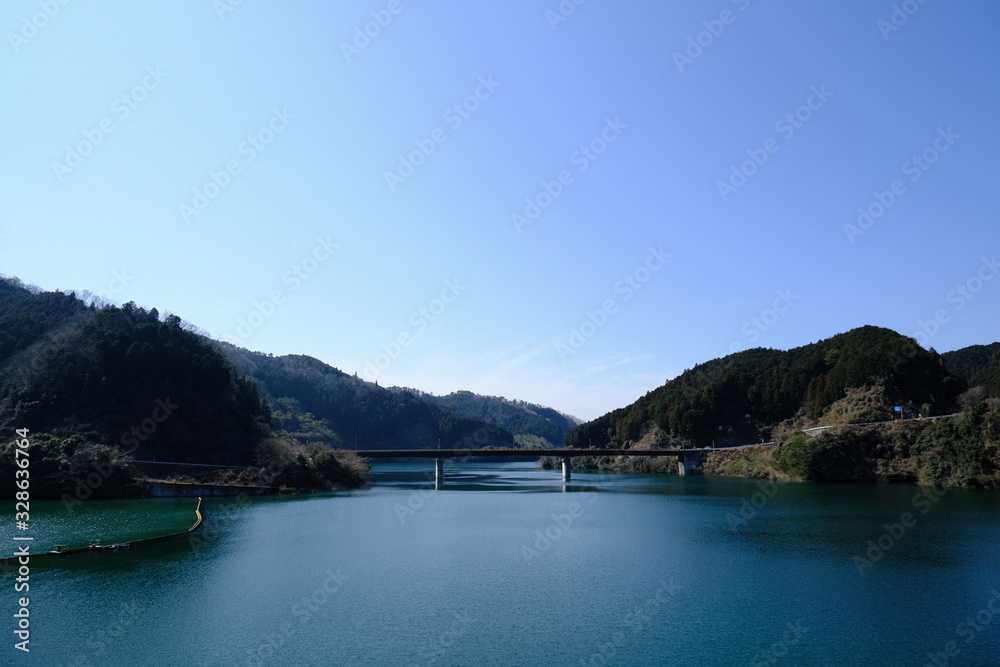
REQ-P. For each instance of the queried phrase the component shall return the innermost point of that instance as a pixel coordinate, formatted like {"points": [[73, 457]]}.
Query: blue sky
{"points": [[566, 208]]}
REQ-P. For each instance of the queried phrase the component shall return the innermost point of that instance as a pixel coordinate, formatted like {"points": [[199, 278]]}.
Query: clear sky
{"points": [[567, 204]]}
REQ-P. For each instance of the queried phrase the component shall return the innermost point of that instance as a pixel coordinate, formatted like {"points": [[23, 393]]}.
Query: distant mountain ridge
{"points": [[67, 367], [100, 382], [101, 388], [519, 417], [313, 400]]}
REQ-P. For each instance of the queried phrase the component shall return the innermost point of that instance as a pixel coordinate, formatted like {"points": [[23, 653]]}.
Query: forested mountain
{"points": [[312, 400], [97, 384], [740, 398], [122, 377], [100, 386], [518, 417], [978, 366]]}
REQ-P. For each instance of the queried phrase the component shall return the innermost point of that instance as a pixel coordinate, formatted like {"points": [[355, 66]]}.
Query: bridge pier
{"points": [[688, 460], [438, 473], [567, 469]]}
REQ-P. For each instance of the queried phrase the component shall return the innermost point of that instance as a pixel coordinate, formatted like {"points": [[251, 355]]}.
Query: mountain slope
{"points": [[123, 377], [518, 417], [978, 366], [740, 398], [314, 400]]}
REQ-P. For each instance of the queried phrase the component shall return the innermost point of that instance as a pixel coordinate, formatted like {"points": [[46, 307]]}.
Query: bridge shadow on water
{"points": [[529, 477], [477, 476]]}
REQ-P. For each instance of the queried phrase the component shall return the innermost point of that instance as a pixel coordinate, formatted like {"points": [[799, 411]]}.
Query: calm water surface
{"points": [[508, 566]]}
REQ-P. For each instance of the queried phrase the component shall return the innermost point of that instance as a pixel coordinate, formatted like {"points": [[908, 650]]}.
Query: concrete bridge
{"points": [[687, 459]]}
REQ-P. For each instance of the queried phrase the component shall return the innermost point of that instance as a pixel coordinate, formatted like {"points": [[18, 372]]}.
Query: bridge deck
{"points": [[561, 453]]}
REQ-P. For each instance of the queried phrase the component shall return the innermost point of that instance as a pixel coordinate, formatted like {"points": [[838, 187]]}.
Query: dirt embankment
{"points": [[844, 453], [753, 462], [641, 465]]}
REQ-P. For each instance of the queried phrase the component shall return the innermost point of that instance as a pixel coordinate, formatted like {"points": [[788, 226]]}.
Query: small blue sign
{"points": [[898, 408]]}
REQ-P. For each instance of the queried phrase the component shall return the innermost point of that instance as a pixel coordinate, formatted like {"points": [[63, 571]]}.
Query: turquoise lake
{"points": [[507, 565]]}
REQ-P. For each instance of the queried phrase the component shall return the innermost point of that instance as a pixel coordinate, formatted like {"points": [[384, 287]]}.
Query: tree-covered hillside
{"points": [[124, 377], [518, 417], [740, 398], [314, 400], [978, 366], [99, 387]]}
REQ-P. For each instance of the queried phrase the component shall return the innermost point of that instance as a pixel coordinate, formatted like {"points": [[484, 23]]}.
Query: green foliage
{"points": [[109, 371], [293, 422], [739, 398], [314, 401], [74, 466], [517, 417], [92, 383], [840, 454], [312, 466], [961, 451], [795, 456], [532, 442], [637, 465], [977, 365]]}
